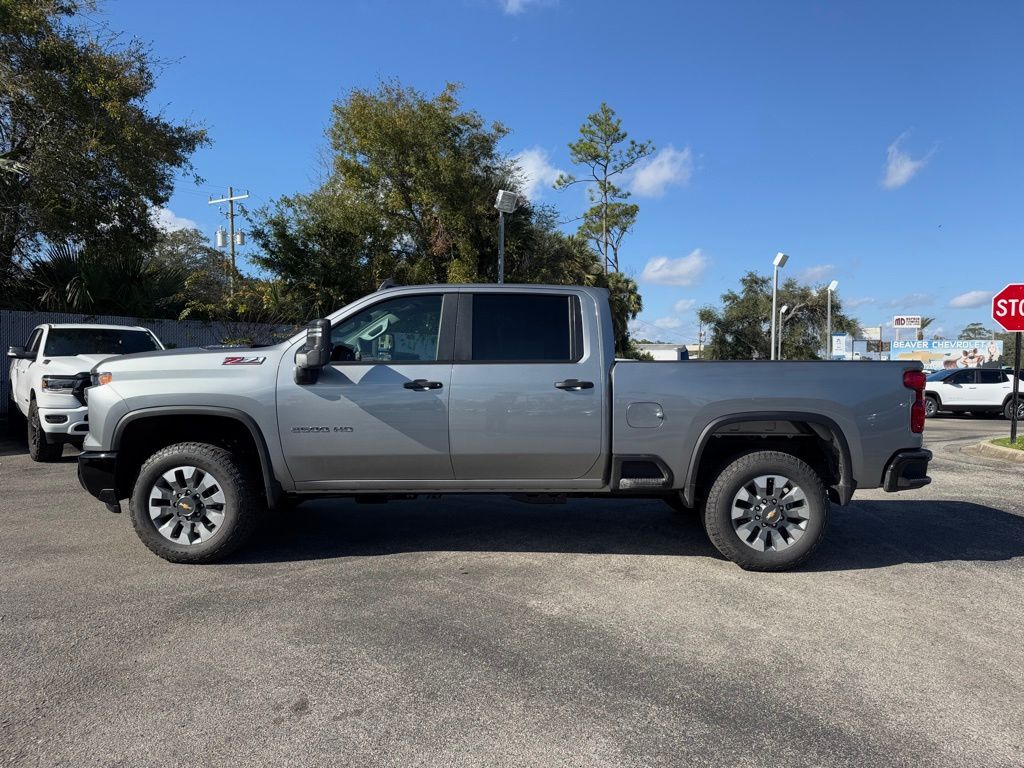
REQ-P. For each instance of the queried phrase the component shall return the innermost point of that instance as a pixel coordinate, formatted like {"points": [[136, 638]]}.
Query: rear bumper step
{"points": [[907, 470]]}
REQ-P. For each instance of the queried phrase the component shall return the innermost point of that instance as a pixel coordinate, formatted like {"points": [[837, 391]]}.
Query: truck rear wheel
{"points": [[195, 503], [767, 511]]}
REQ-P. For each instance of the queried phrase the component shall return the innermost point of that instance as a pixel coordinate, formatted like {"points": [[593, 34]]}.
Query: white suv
{"points": [[978, 390], [50, 373]]}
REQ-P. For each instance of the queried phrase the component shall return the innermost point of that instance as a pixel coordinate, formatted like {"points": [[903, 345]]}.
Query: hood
{"points": [[71, 365], [230, 362]]}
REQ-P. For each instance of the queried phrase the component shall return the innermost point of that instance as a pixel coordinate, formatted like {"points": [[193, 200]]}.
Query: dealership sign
{"points": [[952, 353], [906, 321], [1008, 307]]}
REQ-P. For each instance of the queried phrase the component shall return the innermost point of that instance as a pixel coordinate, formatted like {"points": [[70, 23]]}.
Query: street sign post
{"points": [[1008, 311]]}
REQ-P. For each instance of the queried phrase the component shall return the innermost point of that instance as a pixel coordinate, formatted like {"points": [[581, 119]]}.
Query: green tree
{"points": [[81, 156], [925, 322], [607, 152], [428, 172], [207, 270], [976, 331], [741, 328]]}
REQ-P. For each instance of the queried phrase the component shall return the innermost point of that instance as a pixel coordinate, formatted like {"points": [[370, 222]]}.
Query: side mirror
{"points": [[20, 353], [314, 354]]}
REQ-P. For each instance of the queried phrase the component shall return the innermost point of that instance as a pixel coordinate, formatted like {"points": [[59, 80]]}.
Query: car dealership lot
{"points": [[482, 631]]}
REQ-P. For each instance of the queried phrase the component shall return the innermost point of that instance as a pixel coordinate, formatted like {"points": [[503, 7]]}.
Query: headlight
{"points": [[63, 384], [98, 379]]}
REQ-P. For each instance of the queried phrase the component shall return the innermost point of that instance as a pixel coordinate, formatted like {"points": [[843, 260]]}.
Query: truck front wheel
{"points": [[767, 511], [39, 449], [194, 503]]}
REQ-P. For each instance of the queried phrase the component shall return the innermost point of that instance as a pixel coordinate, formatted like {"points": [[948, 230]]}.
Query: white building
{"points": [[671, 351]]}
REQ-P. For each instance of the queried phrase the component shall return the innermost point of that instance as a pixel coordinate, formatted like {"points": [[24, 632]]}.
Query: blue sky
{"points": [[877, 143]]}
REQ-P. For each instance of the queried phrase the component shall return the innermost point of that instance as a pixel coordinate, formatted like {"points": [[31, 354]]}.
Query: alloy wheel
{"points": [[770, 513], [186, 505]]}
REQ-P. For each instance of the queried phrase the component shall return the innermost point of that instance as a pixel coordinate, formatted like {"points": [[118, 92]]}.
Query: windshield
{"points": [[940, 375], [65, 342]]}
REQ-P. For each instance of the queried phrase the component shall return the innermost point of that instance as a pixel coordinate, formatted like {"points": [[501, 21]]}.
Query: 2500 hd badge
{"points": [[323, 429]]}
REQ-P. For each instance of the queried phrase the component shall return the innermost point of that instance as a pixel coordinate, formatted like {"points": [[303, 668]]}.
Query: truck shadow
{"points": [[868, 534]]}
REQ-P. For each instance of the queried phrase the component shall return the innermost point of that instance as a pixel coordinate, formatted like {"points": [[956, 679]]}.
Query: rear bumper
{"points": [[97, 473], [907, 470]]}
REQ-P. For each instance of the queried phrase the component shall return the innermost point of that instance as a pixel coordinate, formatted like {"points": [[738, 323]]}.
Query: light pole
{"points": [[828, 322], [779, 262], [505, 203], [782, 311]]}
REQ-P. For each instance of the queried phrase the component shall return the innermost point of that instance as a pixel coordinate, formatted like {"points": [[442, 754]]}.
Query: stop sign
{"points": [[1008, 307]]}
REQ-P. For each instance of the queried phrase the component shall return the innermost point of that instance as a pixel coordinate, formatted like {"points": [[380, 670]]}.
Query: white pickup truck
{"points": [[49, 375]]}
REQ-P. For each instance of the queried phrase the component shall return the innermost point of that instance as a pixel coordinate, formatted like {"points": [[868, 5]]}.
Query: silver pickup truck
{"points": [[492, 389]]}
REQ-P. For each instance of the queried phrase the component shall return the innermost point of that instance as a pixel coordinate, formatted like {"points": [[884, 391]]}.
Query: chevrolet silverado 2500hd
{"points": [[492, 389]]}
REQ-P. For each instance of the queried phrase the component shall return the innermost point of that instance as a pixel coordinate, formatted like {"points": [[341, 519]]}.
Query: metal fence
{"points": [[15, 328]]}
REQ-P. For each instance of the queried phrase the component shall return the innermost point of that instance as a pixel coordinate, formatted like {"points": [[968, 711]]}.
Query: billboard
{"points": [[839, 348], [906, 321], [951, 353], [871, 333]]}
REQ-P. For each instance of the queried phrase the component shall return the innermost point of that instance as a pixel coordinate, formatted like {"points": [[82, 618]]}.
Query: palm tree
{"points": [[101, 280], [925, 322]]}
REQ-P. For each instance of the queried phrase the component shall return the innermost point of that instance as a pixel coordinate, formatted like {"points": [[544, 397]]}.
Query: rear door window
{"points": [[525, 328], [992, 377]]}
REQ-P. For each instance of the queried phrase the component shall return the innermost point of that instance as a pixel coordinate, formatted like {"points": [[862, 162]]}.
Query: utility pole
{"points": [[230, 200]]}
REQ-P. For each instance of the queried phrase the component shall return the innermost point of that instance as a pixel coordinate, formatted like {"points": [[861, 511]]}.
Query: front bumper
{"points": [[907, 470], [64, 424], [97, 473]]}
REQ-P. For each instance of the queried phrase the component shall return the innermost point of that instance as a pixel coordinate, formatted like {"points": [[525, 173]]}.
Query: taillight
{"points": [[915, 380]]}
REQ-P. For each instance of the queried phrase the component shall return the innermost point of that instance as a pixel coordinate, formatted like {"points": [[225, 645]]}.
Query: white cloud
{"points": [[912, 300], [683, 305], [854, 303], [816, 274], [900, 167], [169, 221], [515, 7], [685, 270], [667, 323], [669, 166], [971, 299], [536, 171]]}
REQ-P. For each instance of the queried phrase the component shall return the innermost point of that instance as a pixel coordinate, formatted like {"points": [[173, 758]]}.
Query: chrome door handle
{"points": [[574, 384], [421, 385]]}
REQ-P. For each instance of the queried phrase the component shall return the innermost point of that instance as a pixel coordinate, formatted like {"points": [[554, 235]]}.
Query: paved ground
{"points": [[475, 631]]}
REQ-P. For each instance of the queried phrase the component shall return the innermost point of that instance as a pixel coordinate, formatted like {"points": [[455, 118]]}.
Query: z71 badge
{"points": [[243, 360]]}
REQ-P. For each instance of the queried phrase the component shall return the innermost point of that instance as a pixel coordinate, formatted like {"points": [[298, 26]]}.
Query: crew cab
{"points": [[974, 390], [492, 389], [50, 373]]}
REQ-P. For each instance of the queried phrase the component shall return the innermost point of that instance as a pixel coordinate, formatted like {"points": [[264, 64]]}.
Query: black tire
{"points": [[718, 520], [38, 447], [15, 421], [244, 502], [931, 407], [1008, 409]]}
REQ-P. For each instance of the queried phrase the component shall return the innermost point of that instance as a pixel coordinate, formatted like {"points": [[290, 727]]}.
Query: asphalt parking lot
{"points": [[479, 631]]}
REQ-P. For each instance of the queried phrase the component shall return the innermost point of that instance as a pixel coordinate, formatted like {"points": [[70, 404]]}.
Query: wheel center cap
{"points": [[187, 506], [772, 515]]}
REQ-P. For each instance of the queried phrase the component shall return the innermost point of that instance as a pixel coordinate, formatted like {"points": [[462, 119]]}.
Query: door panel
{"points": [[380, 410], [510, 422], [510, 419], [367, 424], [959, 389]]}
